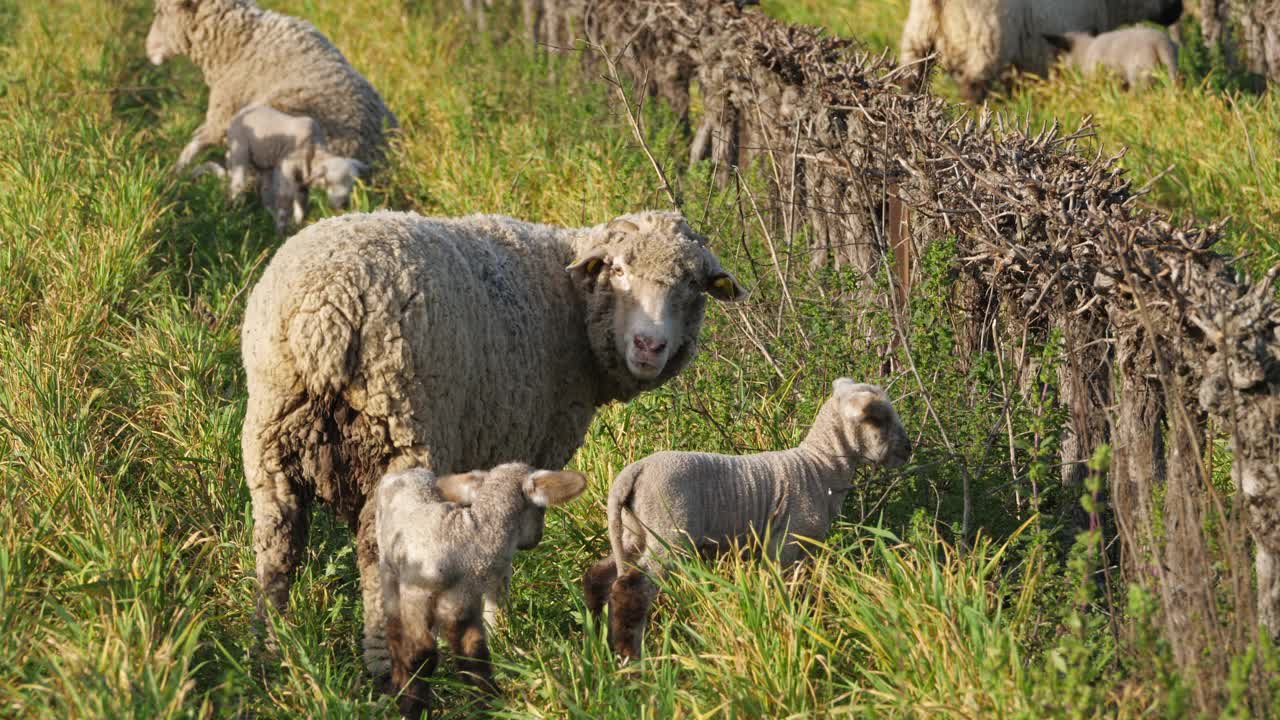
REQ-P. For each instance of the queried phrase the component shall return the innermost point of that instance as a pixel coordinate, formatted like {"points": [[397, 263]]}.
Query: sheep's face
{"points": [[168, 36], [873, 424], [646, 280]]}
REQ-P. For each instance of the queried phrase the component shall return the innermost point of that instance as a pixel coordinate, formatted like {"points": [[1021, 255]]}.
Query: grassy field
{"points": [[126, 570]]}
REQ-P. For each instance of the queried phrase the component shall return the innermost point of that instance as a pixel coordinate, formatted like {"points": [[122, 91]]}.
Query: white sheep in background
{"points": [[288, 154], [382, 341], [1133, 53], [445, 547], [253, 56], [711, 502], [975, 40]]}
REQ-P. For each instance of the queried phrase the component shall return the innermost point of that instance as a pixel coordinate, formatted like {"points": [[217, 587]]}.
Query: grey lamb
{"points": [[711, 502], [288, 154], [382, 341], [1134, 53], [445, 546], [253, 56]]}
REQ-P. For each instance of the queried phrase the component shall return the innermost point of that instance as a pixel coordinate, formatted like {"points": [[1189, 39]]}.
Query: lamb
{"points": [[365, 328], [288, 154], [1134, 53], [446, 546], [253, 56], [976, 40], [710, 502]]}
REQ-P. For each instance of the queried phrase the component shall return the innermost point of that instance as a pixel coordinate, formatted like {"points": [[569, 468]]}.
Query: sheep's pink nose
{"points": [[649, 344]]}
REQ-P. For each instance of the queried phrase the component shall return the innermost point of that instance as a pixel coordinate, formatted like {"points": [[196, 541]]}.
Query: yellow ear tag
{"points": [[724, 285], [593, 266]]}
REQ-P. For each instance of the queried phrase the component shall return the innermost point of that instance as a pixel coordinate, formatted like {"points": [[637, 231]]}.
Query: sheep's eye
{"points": [[618, 271]]}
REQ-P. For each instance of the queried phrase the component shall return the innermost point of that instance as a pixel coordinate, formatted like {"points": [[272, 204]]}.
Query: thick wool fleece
{"points": [[709, 501], [377, 342], [977, 39], [1133, 53], [250, 55]]}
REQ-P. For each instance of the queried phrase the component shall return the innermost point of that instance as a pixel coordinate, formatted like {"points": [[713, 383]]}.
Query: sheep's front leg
{"points": [[200, 140], [280, 507], [411, 644], [465, 631], [596, 583]]}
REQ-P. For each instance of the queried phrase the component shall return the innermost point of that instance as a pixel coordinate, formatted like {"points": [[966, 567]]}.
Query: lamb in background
{"points": [[1133, 53], [253, 56], [383, 341], [444, 547], [976, 40], [711, 502], [288, 154]]}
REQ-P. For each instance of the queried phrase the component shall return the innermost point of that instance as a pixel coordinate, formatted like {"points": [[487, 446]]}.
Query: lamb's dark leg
{"points": [[281, 509], [410, 617], [629, 602], [596, 583], [471, 650]]}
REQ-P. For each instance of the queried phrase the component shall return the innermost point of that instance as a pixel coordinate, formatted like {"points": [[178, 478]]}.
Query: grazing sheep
{"points": [[1134, 53], [977, 39], [445, 547], [253, 56], [288, 154], [375, 342], [709, 502]]}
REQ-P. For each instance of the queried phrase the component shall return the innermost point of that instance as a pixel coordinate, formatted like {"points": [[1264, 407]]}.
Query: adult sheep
{"points": [[253, 56], [975, 40], [379, 342]]}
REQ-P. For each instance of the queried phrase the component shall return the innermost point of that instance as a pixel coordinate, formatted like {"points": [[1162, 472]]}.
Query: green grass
{"points": [[126, 569]]}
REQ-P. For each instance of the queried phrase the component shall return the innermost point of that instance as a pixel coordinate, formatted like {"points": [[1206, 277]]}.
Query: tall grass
{"points": [[126, 569]]}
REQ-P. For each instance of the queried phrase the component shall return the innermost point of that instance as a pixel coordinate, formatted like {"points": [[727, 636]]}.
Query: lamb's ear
{"points": [[863, 405], [1059, 42], [554, 487], [461, 488], [724, 287], [589, 264]]}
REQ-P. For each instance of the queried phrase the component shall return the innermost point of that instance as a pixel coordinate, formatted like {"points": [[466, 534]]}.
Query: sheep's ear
{"points": [[589, 264], [546, 487], [460, 488], [724, 287]]}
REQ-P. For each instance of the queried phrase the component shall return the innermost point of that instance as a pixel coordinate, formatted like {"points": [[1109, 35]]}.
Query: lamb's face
{"points": [[168, 35], [337, 175], [646, 282], [873, 424], [516, 485]]}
